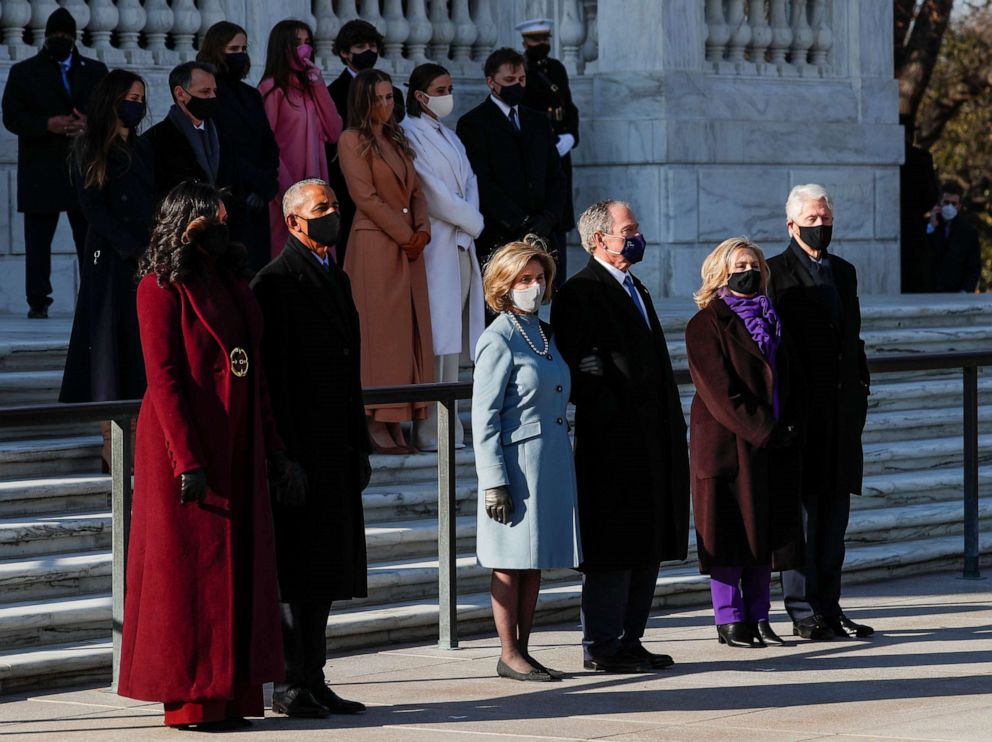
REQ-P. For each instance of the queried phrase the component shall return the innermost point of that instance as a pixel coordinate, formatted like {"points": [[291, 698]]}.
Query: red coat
{"points": [[202, 597]]}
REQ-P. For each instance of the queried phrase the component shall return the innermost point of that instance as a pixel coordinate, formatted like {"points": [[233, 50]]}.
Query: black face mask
{"points": [[511, 95], [201, 108], [130, 112], [237, 65], [538, 52], [364, 60], [213, 239], [745, 282], [818, 238], [324, 229], [59, 47]]}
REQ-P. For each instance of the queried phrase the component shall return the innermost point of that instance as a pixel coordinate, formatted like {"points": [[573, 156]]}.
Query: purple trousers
{"points": [[741, 593]]}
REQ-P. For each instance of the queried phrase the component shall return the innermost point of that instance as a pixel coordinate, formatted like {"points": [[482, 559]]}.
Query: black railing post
{"points": [[447, 557], [970, 378], [121, 466]]}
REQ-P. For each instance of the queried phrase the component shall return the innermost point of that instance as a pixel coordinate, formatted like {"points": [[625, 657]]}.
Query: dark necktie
{"points": [[65, 78], [513, 119], [628, 283]]}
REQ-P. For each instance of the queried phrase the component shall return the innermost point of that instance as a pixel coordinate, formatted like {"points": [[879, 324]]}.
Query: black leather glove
{"points": [[499, 505], [288, 480], [783, 435], [542, 224], [364, 471], [592, 364], [192, 486], [254, 202]]}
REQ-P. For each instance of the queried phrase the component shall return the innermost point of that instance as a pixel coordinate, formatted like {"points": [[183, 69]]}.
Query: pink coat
{"points": [[303, 123]]}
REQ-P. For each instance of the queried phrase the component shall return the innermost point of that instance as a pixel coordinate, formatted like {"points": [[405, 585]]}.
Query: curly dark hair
{"points": [[356, 32], [172, 255]]}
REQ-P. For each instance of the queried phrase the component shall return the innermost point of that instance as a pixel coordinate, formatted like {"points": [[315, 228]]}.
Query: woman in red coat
{"points": [[201, 624]]}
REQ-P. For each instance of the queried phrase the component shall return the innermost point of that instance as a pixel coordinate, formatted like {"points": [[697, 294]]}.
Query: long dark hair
{"points": [[172, 256], [361, 99], [421, 78], [93, 149], [215, 39], [281, 49]]}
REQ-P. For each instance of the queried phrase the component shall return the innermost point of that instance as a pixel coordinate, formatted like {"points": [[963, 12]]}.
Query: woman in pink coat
{"points": [[300, 111]]}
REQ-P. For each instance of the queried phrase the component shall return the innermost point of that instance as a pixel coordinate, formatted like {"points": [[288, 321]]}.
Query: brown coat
{"points": [[745, 497], [390, 291]]}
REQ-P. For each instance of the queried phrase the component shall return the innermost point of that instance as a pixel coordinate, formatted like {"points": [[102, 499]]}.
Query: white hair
{"points": [[294, 194], [801, 195], [597, 219]]}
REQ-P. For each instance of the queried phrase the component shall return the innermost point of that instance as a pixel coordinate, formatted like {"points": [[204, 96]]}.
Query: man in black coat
{"points": [[512, 150], [816, 296], [917, 195], [631, 458], [956, 255], [311, 352], [547, 90], [45, 105]]}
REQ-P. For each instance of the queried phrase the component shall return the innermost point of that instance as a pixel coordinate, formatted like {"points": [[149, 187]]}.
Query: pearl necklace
{"points": [[544, 339]]}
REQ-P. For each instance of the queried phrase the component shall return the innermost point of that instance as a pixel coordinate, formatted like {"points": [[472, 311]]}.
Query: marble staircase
{"points": [[55, 564]]}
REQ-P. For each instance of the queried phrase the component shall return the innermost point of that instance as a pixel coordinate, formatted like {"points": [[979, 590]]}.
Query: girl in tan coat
{"points": [[384, 258]]}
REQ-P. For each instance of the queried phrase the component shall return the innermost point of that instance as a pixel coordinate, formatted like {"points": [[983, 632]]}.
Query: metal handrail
{"points": [[122, 412]]}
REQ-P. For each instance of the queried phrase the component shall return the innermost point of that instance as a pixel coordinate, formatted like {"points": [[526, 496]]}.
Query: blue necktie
{"points": [[628, 284], [65, 76]]}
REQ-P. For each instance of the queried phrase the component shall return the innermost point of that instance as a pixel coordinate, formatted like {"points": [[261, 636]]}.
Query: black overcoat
{"points": [[175, 162], [312, 355], [244, 129], [631, 459], [956, 257], [34, 93], [104, 361], [834, 369], [745, 504], [519, 172]]}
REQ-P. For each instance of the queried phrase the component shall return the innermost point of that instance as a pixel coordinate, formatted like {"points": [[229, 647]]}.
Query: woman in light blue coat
{"points": [[527, 515]]}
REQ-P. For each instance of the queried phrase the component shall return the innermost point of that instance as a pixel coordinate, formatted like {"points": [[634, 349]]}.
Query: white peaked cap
{"points": [[535, 26]]}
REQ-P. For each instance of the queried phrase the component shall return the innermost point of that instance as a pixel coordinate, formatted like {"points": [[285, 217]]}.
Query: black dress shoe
{"points": [[534, 676], [814, 627], [737, 634], [299, 703], [765, 635], [845, 627], [657, 661], [621, 662], [335, 703], [555, 674], [38, 313]]}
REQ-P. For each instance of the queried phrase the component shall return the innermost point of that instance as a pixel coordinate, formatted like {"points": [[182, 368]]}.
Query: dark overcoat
{"points": [[34, 93], [312, 351], [201, 614], [631, 459], [104, 360], [175, 162], [834, 368], [519, 172], [244, 129], [956, 257], [745, 504]]}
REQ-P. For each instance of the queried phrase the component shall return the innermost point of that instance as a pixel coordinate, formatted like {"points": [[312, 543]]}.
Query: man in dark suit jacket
{"points": [[512, 150], [816, 296], [956, 255], [45, 105], [311, 353], [631, 459]]}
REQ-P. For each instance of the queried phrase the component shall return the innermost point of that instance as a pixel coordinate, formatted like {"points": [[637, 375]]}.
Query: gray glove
{"points": [[499, 505]]}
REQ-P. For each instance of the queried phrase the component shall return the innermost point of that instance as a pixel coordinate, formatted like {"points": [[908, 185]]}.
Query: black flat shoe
{"points": [[815, 628], [555, 674], [299, 703], [765, 635], [737, 634], [844, 627], [534, 676], [657, 661], [335, 703]]}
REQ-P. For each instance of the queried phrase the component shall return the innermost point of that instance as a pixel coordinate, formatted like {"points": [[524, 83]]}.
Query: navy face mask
{"points": [[632, 250], [511, 95], [130, 112]]}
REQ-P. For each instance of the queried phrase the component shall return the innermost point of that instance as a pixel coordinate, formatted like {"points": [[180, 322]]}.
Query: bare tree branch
{"points": [[921, 52]]}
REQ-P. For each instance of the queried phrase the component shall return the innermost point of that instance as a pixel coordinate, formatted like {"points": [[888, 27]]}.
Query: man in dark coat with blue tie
{"points": [[631, 458], [312, 356], [45, 105]]}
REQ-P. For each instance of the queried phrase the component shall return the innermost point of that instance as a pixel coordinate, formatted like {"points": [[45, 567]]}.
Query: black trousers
{"points": [[39, 229], [304, 643], [615, 609]]}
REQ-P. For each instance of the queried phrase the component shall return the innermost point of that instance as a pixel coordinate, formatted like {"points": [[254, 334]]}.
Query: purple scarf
{"points": [[763, 325]]}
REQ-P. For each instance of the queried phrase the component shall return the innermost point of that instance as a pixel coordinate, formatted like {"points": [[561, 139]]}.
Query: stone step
{"points": [[930, 393], [54, 534], [57, 665], [415, 500], [62, 494], [25, 354], [54, 576], [33, 456], [30, 387], [922, 454], [903, 425], [403, 539], [55, 621], [908, 488]]}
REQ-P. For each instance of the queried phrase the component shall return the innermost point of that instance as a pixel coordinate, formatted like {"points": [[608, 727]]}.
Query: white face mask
{"points": [[441, 105], [948, 211], [529, 299]]}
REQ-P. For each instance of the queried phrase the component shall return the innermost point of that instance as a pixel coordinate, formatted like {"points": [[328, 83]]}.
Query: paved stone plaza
{"points": [[926, 675]]}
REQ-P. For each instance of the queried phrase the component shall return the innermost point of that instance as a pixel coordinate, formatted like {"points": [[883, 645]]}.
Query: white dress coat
{"points": [[452, 193]]}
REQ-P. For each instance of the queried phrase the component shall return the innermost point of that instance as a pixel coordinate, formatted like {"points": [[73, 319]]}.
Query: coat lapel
{"points": [[619, 296], [502, 121], [735, 331], [315, 284]]}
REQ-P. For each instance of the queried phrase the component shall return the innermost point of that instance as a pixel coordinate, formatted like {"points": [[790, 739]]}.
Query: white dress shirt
{"points": [[621, 276]]}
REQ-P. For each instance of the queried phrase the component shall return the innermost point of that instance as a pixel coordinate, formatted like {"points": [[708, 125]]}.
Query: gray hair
{"points": [[597, 219], [801, 195], [294, 194]]}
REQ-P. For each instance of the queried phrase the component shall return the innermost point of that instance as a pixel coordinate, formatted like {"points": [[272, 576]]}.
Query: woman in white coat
{"points": [[454, 281]]}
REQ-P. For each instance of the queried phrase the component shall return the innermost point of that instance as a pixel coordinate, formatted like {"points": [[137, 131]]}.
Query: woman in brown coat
{"points": [[742, 438], [384, 258]]}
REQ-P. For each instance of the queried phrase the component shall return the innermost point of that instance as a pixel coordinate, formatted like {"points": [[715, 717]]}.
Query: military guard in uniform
{"points": [[547, 91]]}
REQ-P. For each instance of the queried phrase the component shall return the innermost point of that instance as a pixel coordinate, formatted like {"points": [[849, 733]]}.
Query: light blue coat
{"points": [[520, 435]]}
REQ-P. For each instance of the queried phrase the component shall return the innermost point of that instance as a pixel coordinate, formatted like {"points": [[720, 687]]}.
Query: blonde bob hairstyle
{"points": [[507, 263], [717, 268]]}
